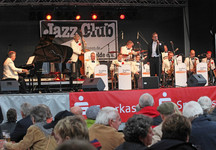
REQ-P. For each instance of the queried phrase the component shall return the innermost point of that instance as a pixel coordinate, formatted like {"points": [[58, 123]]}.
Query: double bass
{"points": [[81, 57]]}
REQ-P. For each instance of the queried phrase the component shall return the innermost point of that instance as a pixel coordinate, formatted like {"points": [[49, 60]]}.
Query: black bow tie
{"points": [[93, 61], [119, 61]]}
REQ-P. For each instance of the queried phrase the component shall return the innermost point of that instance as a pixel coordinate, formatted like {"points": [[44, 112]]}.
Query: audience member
{"points": [[203, 129], [91, 115], [76, 144], [48, 113], [212, 114], [71, 127], [165, 109], [76, 110], [23, 124], [176, 131], [206, 103], [137, 133], [37, 137], [105, 129], [145, 107], [9, 126], [58, 116]]}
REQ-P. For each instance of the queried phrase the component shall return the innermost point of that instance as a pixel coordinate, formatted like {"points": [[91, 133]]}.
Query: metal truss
{"points": [[147, 3]]}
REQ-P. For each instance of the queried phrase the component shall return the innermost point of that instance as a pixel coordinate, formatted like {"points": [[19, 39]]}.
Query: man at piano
{"points": [[11, 72], [76, 45], [127, 51], [136, 69], [211, 66], [191, 63], [90, 66]]}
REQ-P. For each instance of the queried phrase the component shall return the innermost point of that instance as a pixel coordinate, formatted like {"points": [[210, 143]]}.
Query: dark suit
{"points": [[21, 129], [155, 62]]}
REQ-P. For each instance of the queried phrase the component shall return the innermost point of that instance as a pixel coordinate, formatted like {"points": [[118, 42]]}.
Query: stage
{"points": [[125, 100]]}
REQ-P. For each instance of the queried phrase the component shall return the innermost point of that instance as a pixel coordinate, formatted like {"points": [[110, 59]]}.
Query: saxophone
{"points": [[209, 65], [170, 72], [194, 67]]}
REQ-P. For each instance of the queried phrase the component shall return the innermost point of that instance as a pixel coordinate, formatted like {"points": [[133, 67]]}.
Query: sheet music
{"points": [[30, 60]]}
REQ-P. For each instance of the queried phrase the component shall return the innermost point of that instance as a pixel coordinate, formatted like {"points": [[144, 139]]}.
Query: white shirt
{"points": [[154, 48], [9, 70], [212, 63], [90, 66], [77, 47], [166, 65]]}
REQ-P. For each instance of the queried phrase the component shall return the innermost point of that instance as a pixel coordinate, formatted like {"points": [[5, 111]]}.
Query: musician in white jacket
{"points": [[10, 71], [190, 62], [136, 69], [115, 64], [211, 66], [127, 51], [90, 65]]}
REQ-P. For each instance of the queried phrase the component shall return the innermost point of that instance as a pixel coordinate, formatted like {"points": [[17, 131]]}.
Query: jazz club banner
{"points": [[101, 36], [125, 101]]}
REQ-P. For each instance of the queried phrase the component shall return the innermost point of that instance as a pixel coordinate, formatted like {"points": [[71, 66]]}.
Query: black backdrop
{"points": [[19, 32]]}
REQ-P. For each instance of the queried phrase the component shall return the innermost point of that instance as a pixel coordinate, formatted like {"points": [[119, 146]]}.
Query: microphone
{"points": [[176, 49], [137, 35], [122, 35]]}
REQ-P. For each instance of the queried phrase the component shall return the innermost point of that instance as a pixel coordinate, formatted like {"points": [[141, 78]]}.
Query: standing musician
{"points": [[154, 55], [127, 50], [90, 65], [136, 69], [11, 72], [76, 45], [115, 64], [211, 66], [191, 63], [168, 68]]}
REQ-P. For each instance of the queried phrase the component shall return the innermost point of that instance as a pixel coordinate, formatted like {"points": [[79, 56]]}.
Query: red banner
{"points": [[126, 101]]}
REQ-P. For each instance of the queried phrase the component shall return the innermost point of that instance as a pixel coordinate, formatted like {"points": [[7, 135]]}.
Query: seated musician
{"points": [[211, 66], [11, 72], [115, 64], [127, 50], [165, 53], [76, 45], [135, 69], [168, 68], [191, 63], [90, 65]]}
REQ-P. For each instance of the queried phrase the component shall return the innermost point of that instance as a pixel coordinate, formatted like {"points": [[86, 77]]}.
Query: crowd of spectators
{"points": [[150, 128]]}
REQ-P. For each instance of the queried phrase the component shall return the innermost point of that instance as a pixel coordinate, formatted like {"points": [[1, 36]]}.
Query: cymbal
{"points": [[112, 52]]}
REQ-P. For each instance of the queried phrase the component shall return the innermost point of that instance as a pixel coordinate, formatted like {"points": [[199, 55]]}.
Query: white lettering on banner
{"points": [[126, 109], [102, 71], [162, 100], [83, 105]]}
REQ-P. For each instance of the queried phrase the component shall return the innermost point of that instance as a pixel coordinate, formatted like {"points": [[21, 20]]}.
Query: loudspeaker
{"points": [[9, 86], [196, 80], [93, 84], [148, 83]]}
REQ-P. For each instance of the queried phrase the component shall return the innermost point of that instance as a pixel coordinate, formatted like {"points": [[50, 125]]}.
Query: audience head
{"points": [[12, 115], [145, 100], [92, 112], [38, 114], [76, 110], [177, 111], [176, 127], [206, 103], [138, 129], [192, 110], [60, 115], [166, 109], [76, 144], [71, 127], [108, 116], [48, 111], [12, 55], [25, 109]]}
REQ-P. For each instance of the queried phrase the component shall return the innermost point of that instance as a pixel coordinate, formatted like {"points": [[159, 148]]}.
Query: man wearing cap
{"points": [[211, 66], [165, 109], [91, 115], [58, 116]]}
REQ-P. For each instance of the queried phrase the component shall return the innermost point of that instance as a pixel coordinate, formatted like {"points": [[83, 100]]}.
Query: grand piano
{"points": [[47, 52]]}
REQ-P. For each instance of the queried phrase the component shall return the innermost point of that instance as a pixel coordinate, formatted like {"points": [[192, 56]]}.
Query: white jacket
{"points": [[90, 66], [9, 70], [212, 63], [126, 51], [166, 65], [135, 67], [77, 47], [116, 62], [190, 64]]}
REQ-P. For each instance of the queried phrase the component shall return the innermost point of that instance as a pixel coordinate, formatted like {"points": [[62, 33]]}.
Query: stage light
{"points": [[94, 16], [122, 16], [78, 17], [48, 17]]}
